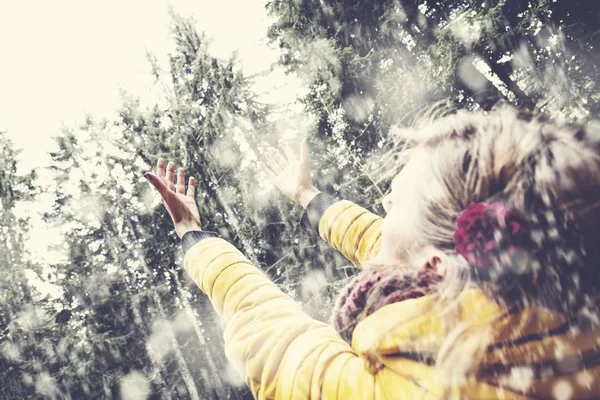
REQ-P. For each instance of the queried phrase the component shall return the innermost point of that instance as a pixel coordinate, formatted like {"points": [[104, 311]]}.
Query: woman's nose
{"points": [[387, 203]]}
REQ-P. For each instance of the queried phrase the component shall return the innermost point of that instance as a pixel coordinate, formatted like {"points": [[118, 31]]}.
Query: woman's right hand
{"points": [[289, 174]]}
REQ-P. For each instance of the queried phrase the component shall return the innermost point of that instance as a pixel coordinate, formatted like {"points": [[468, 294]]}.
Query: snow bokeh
{"points": [[166, 325], [135, 386]]}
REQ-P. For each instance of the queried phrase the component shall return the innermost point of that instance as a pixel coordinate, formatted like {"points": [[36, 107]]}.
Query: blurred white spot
{"points": [[226, 152], [158, 344], [165, 122], [31, 318], [470, 75], [46, 385], [312, 284], [27, 379], [358, 108], [111, 268], [150, 198], [467, 31], [520, 378], [562, 390], [233, 377], [135, 386], [183, 322], [584, 379], [89, 208], [11, 351]]}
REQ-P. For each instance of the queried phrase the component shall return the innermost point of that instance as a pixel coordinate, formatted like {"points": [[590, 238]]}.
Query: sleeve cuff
{"points": [[315, 210], [193, 237]]}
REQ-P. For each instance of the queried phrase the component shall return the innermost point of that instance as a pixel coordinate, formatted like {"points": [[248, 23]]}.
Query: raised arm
{"points": [[283, 353], [352, 230], [349, 228], [280, 350]]}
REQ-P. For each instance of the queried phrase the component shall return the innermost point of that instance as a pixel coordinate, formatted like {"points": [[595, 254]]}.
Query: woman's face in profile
{"points": [[403, 207]]}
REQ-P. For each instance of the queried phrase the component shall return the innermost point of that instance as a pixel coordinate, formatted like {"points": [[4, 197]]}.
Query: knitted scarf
{"points": [[370, 290]]}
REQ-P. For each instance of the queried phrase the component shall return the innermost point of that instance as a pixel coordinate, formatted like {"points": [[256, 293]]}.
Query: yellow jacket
{"points": [[285, 354]]}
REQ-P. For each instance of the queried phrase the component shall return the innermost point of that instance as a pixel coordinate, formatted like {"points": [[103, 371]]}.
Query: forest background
{"points": [[104, 310]]}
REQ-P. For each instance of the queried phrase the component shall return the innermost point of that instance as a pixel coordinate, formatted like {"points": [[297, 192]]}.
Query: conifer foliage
{"points": [[127, 322]]}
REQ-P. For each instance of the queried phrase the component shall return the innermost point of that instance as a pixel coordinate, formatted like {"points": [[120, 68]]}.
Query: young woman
{"points": [[481, 282]]}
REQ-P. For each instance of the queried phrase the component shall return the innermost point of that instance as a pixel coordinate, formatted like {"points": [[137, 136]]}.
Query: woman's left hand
{"points": [[180, 204]]}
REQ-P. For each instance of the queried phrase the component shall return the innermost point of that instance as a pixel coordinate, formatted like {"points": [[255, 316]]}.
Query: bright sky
{"points": [[64, 58], [61, 59]]}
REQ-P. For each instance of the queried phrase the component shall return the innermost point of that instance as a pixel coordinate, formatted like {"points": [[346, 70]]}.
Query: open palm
{"points": [[290, 174], [180, 204]]}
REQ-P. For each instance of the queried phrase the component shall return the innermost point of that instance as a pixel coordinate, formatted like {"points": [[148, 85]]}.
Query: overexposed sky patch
{"points": [[62, 59]]}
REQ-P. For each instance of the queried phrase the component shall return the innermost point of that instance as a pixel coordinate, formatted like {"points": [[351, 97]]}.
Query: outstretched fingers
{"points": [[159, 185], [180, 187], [273, 164], [267, 171], [283, 163], [191, 191], [170, 175], [304, 151], [160, 168], [289, 153]]}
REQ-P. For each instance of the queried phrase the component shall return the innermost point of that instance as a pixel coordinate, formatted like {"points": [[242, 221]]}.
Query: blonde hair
{"points": [[547, 170]]}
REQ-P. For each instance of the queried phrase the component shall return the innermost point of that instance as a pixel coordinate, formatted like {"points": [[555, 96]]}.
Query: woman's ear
{"points": [[433, 258], [432, 263]]}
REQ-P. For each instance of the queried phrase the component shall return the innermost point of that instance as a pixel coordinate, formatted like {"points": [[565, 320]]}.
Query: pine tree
{"points": [[372, 64], [21, 319], [126, 297]]}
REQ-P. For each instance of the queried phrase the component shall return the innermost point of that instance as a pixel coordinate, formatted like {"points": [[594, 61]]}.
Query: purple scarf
{"points": [[381, 287]]}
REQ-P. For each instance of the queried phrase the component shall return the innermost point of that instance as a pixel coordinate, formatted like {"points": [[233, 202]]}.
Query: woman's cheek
{"points": [[391, 239], [399, 235]]}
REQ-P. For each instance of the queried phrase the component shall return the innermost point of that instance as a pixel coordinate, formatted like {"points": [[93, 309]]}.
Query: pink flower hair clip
{"points": [[487, 233]]}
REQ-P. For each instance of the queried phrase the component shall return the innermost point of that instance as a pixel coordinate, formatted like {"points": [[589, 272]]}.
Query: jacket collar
{"points": [[536, 338]]}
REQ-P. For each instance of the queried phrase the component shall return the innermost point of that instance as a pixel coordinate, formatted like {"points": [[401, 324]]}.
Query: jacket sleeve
{"points": [[352, 230], [281, 351]]}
